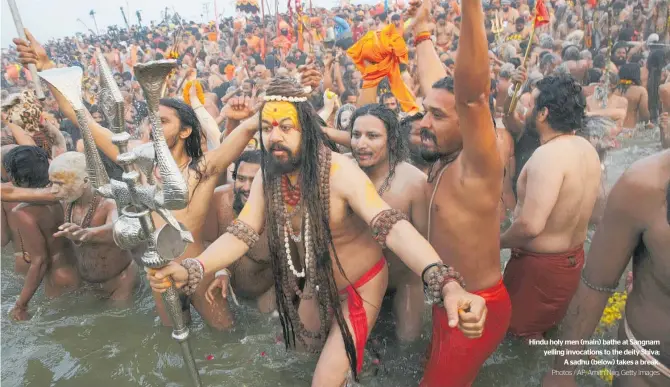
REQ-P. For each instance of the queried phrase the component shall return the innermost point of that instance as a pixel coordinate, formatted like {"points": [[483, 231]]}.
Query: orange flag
{"points": [[541, 14]]}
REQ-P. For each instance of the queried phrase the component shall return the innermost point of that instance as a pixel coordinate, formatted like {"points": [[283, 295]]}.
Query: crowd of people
{"points": [[338, 157]]}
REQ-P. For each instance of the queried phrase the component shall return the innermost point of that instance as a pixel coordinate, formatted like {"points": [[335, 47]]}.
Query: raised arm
{"points": [[20, 135], [208, 124], [471, 89], [428, 63], [613, 244], [231, 148], [33, 52]]}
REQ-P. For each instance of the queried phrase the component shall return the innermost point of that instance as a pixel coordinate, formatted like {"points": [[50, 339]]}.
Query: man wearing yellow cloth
{"points": [[378, 54]]}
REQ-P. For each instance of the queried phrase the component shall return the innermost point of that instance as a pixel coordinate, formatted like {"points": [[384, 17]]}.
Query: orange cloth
{"points": [[230, 72], [283, 43], [385, 50], [254, 43]]}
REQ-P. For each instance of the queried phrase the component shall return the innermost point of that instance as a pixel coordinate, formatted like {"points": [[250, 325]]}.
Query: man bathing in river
{"points": [[636, 224], [250, 276], [37, 253], [555, 202], [330, 275], [200, 170], [379, 148], [88, 224], [466, 186]]}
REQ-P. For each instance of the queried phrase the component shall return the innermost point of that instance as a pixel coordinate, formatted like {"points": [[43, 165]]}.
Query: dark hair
{"points": [[250, 156], [655, 63], [516, 62], [570, 53], [346, 94], [593, 76], [395, 143], [520, 20], [386, 96], [317, 207], [27, 166], [564, 100], [599, 61], [446, 83], [193, 143], [629, 72]]}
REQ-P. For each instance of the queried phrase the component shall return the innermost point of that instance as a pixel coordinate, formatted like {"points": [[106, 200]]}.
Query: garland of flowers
{"points": [[198, 91], [613, 312]]}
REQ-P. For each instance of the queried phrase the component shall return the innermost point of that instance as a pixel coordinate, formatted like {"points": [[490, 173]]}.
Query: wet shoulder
{"points": [[222, 202]]}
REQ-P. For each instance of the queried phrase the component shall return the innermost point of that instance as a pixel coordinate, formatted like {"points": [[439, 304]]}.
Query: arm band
{"points": [[243, 232], [597, 288], [383, 222]]}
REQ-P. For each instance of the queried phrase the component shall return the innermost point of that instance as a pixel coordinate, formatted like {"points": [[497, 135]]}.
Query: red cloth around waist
{"points": [[357, 316], [453, 359], [541, 286]]}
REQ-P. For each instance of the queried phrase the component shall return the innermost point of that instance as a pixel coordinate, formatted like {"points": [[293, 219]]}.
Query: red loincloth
{"points": [[453, 359], [541, 287], [357, 316]]}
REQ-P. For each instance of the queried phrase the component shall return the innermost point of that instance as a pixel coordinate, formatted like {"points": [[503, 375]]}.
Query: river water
{"points": [[81, 341]]}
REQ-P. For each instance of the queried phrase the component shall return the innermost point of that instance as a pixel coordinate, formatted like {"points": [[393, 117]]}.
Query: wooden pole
{"points": [[517, 86]]}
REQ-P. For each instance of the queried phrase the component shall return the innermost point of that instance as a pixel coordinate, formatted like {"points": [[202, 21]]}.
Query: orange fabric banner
{"points": [[384, 51]]}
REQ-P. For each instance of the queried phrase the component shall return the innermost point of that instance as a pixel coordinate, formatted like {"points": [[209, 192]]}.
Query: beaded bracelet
{"points": [[439, 275], [196, 271], [601, 289]]}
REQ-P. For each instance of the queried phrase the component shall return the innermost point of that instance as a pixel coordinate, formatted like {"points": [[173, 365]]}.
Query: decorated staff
{"points": [[541, 18], [136, 201], [22, 34]]}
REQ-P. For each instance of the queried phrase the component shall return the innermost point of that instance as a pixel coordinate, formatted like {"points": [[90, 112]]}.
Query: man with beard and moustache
{"points": [[251, 276], [379, 148], [619, 55], [554, 206], [200, 170], [411, 129], [466, 185], [635, 226], [330, 275], [390, 101]]}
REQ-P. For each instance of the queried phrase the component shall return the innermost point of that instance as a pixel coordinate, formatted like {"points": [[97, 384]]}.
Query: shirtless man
{"points": [[630, 88], [88, 224], [616, 106], [251, 276], [554, 205], [332, 204], [465, 189], [37, 253], [636, 224], [444, 32], [379, 149], [201, 171]]}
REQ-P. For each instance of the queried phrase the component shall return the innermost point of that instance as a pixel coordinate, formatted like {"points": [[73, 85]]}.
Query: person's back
{"points": [[567, 223]]}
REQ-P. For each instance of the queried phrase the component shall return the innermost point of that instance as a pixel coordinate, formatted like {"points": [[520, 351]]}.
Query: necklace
{"points": [[86, 222], [290, 193]]}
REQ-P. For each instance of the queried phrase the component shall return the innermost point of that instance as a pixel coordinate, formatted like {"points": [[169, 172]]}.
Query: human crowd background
{"points": [[239, 55]]}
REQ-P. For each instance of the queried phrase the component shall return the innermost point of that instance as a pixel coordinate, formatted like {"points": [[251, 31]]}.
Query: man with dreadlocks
{"points": [[200, 170], [38, 254], [330, 275], [380, 149], [466, 185], [636, 224]]}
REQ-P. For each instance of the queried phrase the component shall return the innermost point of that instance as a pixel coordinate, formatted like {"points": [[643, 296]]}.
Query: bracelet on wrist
{"points": [[223, 272], [422, 37], [435, 276], [196, 272]]}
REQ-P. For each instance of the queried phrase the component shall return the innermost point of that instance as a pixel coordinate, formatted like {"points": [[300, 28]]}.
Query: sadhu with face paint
{"points": [[326, 229]]}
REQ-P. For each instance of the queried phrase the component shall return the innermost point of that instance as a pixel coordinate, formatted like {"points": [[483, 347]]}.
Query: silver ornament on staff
{"points": [[135, 200], [22, 34]]}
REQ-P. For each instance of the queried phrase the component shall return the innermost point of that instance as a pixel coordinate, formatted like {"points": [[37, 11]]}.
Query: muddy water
{"points": [[82, 341]]}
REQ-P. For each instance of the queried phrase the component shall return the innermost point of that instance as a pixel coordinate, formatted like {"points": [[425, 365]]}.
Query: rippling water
{"points": [[81, 341]]}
